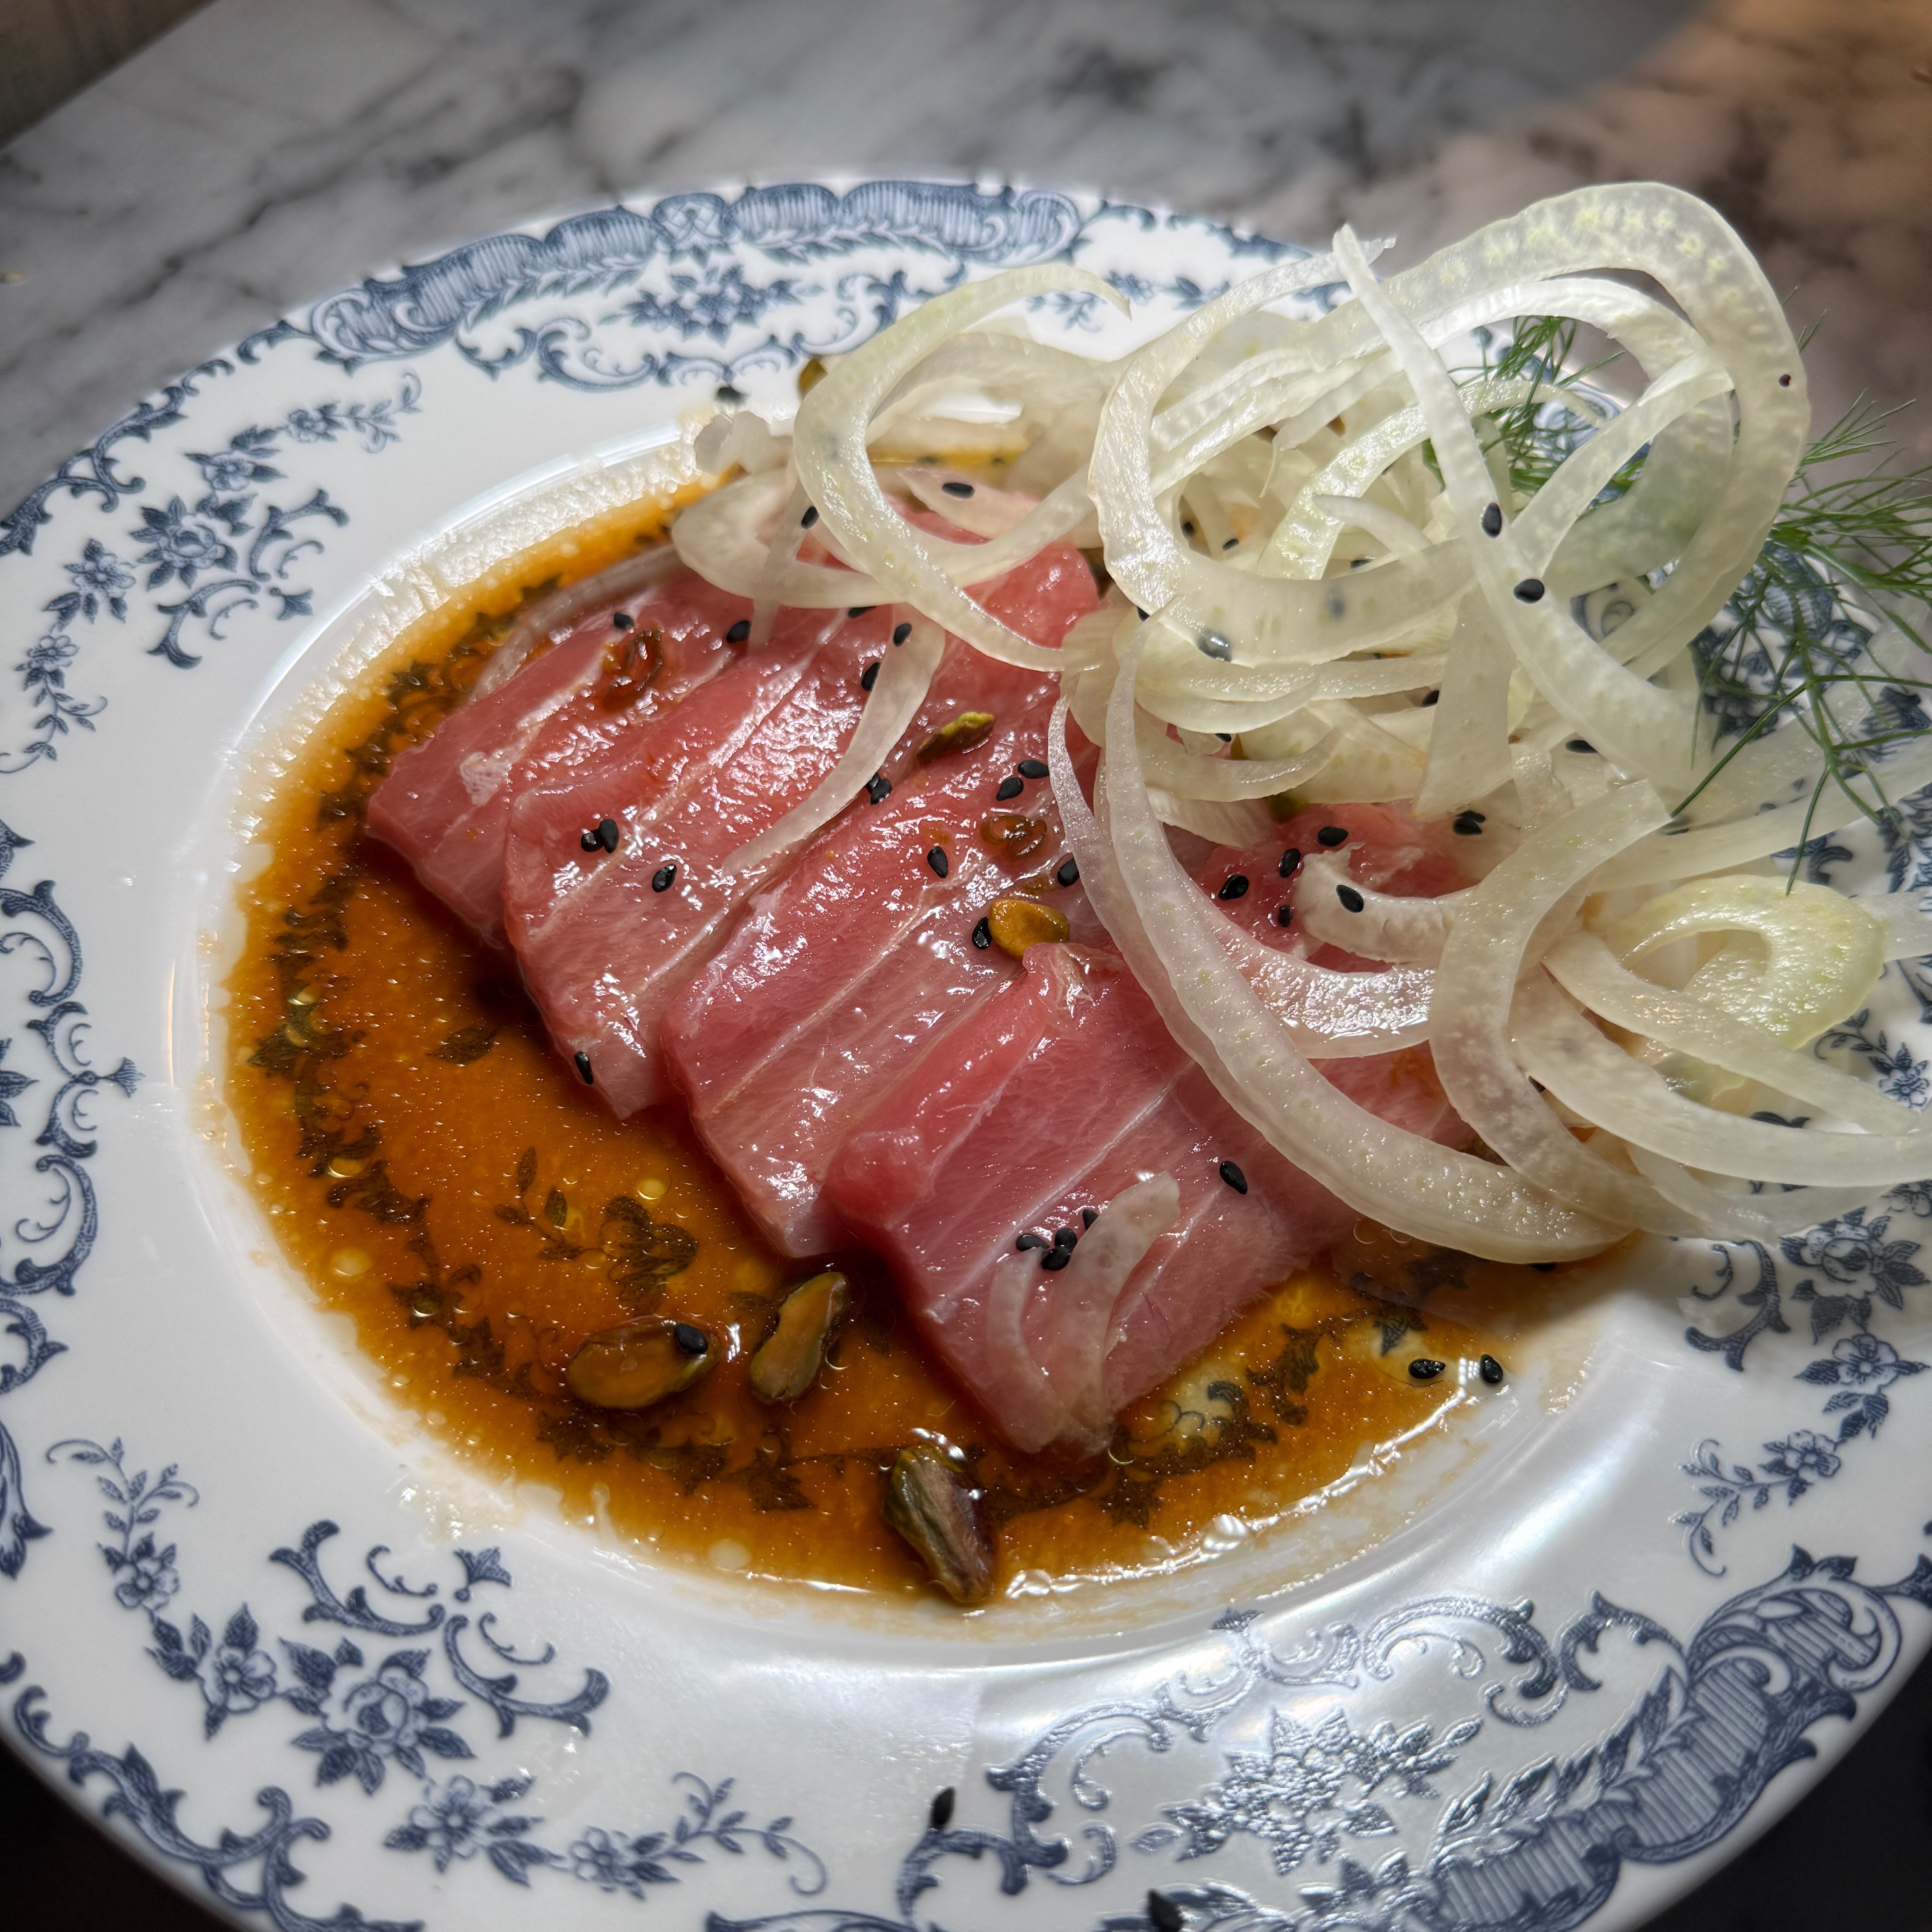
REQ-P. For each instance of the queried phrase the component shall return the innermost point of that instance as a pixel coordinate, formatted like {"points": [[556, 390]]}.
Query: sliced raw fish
{"points": [[1059, 1095], [608, 942], [446, 805], [861, 959]]}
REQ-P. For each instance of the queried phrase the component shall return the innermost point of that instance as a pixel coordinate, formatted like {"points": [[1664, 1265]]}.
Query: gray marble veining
{"points": [[268, 150]]}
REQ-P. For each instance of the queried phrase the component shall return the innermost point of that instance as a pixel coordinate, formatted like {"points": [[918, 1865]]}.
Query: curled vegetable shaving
{"points": [[1356, 555], [904, 677]]}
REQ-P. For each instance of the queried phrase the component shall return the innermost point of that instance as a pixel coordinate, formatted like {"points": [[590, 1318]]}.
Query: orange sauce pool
{"points": [[435, 1173]]}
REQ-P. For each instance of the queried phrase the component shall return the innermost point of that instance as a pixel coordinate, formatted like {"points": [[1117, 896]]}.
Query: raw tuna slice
{"points": [[1060, 1095], [860, 960], [607, 939], [446, 805], [605, 948]]}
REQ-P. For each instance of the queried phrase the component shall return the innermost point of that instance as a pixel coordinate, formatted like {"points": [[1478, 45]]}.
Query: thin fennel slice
{"points": [[828, 448], [1214, 1013], [905, 676], [1556, 1044], [1586, 969]]}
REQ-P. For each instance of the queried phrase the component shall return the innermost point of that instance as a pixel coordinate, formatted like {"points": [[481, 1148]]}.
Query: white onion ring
{"points": [[905, 673]]}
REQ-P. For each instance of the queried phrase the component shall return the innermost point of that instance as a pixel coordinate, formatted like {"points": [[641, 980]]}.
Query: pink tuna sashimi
{"points": [[446, 805], [607, 939], [606, 951], [1058, 1096], [855, 964]]}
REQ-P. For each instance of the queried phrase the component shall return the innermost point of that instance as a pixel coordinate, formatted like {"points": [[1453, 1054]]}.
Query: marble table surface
{"points": [[266, 151]]}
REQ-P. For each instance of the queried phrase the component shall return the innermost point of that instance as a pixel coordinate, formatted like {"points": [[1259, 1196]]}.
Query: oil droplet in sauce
{"points": [[478, 1215]]}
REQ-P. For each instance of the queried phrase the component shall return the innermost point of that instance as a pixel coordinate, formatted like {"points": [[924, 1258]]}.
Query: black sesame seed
{"points": [[739, 631], [878, 787], [869, 676], [1031, 768], [810, 517], [937, 859], [1467, 825], [861, 610], [1492, 520], [982, 935], [661, 879], [1186, 529], [728, 392], [1579, 745], [1332, 836], [1784, 382], [588, 840], [1351, 900], [1431, 697], [1163, 1914], [582, 1062], [607, 834], [1140, 613], [1055, 1259], [622, 619], [1470, 811], [901, 632], [1090, 1215], [690, 1339], [1234, 1177], [1284, 915], [1226, 737], [1291, 862], [1212, 644], [1230, 543], [1029, 1240], [1067, 871], [1424, 1369], [1233, 886], [1357, 562], [940, 1816], [957, 489], [1529, 591], [1009, 786], [1065, 1238], [1490, 1369]]}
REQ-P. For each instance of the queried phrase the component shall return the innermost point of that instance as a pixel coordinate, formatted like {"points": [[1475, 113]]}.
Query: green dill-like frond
{"points": [[1870, 534], [1535, 435], [1795, 638], [1794, 643]]}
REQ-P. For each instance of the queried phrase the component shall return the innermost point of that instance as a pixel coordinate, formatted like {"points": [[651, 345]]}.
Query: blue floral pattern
{"points": [[1539, 1851], [379, 1713], [372, 1714], [457, 1820], [226, 551], [1853, 1253], [1311, 1789], [58, 1232]]}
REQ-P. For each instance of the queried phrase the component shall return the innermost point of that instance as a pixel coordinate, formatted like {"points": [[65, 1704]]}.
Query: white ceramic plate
{"points": [[1548, 1664]]}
